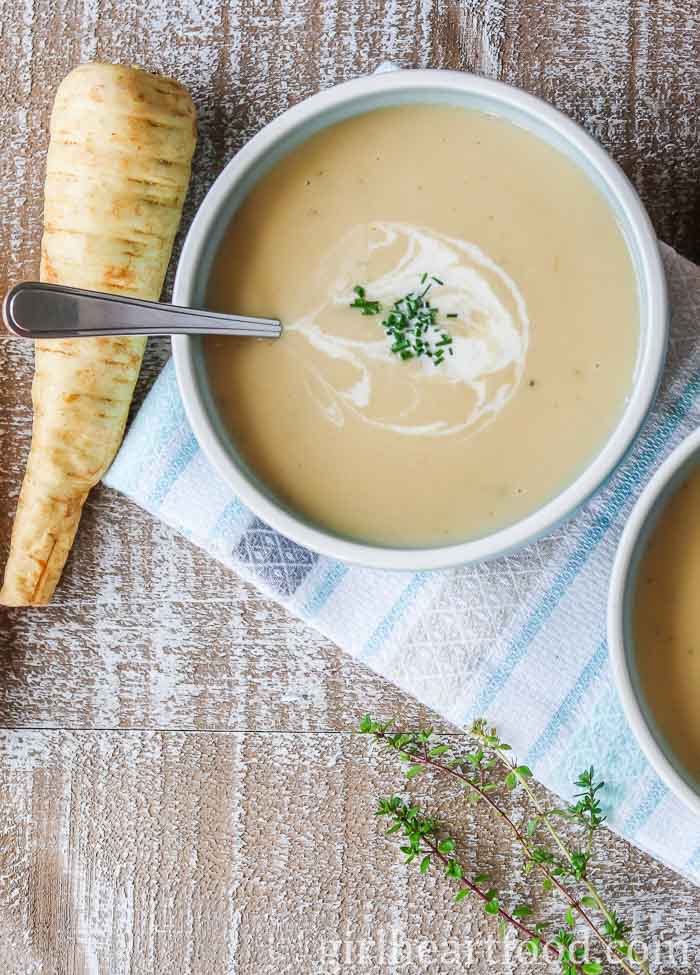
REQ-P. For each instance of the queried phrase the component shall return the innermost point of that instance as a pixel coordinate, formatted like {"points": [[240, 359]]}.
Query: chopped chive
{"points": [[411, 323]]}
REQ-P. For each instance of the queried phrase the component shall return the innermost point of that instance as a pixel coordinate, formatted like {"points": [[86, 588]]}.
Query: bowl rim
{"points": [[649, 504], [562, 505]]}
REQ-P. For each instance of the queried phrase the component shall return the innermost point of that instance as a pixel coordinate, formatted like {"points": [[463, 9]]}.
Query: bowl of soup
{"points": [[474, 320], [654, 621]]}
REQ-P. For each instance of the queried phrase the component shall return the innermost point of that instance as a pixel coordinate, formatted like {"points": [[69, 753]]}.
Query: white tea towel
{"points": [[520, 640]]}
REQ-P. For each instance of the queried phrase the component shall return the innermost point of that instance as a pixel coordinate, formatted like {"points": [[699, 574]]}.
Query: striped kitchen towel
{"points": [[520, 639]]}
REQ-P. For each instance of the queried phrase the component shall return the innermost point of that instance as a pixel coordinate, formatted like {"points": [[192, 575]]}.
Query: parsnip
{"points": [[117, 172]]}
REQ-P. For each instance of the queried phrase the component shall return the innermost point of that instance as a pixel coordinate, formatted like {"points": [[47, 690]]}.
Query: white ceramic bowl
{"points": [[352, 98], [623, 583]]}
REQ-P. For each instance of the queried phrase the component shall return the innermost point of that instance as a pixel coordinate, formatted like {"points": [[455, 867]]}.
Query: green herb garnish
{"points": [[485, 769], [361, 302], [411, 323]]}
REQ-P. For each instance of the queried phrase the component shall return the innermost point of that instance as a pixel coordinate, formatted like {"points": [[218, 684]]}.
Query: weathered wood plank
{"points": [[139, 853]]}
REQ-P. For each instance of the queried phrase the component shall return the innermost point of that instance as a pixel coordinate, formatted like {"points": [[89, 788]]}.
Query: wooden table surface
{"points": [[180, 789]]}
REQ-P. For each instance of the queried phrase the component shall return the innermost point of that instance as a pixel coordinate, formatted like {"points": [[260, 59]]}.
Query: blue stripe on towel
{"points": [[227, 527], [595, 533], [332, 578], [656, 794], [566, 710], [692, 864], [402, 603], [181, 458]]}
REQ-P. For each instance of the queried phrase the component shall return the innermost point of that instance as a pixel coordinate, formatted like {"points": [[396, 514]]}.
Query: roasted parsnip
{"points": [[117, 172]]}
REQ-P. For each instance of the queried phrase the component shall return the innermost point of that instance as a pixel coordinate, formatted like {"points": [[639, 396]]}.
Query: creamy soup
{"points": [[532, 284], [667, 623]]}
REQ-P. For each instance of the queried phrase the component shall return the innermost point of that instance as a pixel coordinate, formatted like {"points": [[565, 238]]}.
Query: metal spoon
{"points": [[34, 310]]}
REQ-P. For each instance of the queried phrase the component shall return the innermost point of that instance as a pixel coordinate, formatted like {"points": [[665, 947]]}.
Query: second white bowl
{"points": [[623, 582]]}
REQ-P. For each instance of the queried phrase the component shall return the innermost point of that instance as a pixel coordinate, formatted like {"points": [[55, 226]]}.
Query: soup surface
{"points": [[667, 623], [535, 288]]}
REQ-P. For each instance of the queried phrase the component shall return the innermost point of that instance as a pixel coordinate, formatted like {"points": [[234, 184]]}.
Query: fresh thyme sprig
{"points": [[412, 323], [561, 867], [427, 839], [586, 812]]}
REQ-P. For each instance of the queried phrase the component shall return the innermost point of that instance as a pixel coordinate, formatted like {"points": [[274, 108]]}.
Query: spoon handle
{"points": [[47, 311]]}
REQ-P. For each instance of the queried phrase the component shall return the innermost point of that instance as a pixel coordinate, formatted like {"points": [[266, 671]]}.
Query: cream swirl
{"points": [[349, 365]]}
